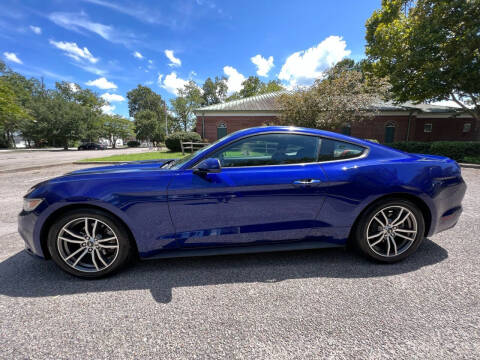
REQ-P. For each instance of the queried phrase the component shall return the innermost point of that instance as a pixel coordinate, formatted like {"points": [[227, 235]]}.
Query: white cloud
{"points": [[302, 67], [112, 97], [234, 79], [12, 57], [138, 11], [78, 22], [263, 65], [150, 61], [36, 29], [91, 69], [137, 55], [174, 61], [102, 83], [72, 50], [108, 109], [171, 83]]}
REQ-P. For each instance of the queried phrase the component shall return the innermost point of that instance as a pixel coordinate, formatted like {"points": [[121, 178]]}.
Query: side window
{"points": [[269, 149], [338, 150]]}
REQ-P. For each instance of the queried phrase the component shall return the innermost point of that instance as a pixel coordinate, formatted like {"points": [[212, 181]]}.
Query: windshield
{"points": [[177, 164]]}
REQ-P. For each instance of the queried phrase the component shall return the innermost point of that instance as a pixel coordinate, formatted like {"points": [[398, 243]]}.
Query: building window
{"points": [[221, 130], [467, 127], [427, 128]]}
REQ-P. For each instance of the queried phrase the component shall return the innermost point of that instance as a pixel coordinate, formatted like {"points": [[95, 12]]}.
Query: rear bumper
{"points": [[448, 204]]}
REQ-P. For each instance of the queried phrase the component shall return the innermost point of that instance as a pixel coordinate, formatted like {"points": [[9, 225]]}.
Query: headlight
{"points": [[31, 204]]}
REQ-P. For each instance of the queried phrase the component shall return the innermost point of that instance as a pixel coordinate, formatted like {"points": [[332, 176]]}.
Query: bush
{"points": [[456, 150], [133, 143], [172, 142], [415, 147]]}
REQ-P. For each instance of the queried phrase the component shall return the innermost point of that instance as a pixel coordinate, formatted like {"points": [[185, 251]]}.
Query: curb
{"points": [[9, 171], [98, 162], [470, 166]]}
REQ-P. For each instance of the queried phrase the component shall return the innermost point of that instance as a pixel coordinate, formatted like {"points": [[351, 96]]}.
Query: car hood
{"points": [[127, 167]]}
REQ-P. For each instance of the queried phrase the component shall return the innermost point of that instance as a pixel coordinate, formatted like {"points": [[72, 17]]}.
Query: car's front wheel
{"points": [[390, 230], [89, 243]]}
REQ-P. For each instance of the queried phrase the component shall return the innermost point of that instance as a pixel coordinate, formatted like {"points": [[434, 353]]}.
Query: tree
{"points": [[144, 98], [116, 127], [10, 112], [214, 92], [147, 127], [429, 49], [189, 98], [254, 86], [342, 97]]}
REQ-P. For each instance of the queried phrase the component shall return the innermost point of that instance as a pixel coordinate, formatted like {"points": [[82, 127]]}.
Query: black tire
{"points": [[124, 249], [388, 205]]}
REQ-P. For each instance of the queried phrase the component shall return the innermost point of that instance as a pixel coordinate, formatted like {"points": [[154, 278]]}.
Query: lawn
{"points": [[154, 155]]}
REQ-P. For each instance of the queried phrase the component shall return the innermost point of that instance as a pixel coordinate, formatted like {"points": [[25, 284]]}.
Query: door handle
{"points": [[307, 181]]}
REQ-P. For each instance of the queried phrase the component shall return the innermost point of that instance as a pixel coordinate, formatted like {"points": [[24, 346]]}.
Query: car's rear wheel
{"points": [[390, 230], [89, 243]]}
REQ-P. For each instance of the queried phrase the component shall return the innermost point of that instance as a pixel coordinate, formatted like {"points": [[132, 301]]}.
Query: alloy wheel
{"points": [[392, 231], [87, 244]]}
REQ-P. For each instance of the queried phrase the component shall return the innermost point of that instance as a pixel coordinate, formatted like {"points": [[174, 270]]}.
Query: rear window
{"points": [[338, 150]]}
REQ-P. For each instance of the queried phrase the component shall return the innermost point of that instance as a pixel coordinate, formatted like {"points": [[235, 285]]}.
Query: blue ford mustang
{"points": [[259, 189]]}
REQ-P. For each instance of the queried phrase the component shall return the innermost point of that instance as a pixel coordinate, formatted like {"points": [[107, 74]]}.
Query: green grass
{"points": [[154, 155], [471, 159]]}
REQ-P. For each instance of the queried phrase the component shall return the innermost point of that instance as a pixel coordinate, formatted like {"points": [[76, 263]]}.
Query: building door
{"points": [[389, 133], [221, 131], [347, 130]]}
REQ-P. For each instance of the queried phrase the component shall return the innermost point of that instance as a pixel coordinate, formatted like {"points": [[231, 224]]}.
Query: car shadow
{"points": [[24, 276]]}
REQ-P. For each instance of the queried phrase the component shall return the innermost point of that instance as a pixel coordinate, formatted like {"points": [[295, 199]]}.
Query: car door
{"points": [[343, 163], [268, 190]]}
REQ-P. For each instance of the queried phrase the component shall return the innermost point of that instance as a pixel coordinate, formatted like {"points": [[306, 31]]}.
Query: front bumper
{"points": [[26, 229]]}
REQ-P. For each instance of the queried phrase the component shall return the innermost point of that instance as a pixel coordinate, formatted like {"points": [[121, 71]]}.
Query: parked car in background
{"points": [[92, 146], [260, 189]]}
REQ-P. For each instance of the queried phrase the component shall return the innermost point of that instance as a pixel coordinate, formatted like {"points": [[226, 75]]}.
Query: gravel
{"points": [[297, 305]]}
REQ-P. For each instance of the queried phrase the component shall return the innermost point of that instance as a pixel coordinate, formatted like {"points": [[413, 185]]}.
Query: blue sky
{"points": [[112, 46]]}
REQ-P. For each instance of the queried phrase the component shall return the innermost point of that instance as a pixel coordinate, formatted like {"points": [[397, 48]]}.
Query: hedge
{"points": [[456, 150], [172, 142]]}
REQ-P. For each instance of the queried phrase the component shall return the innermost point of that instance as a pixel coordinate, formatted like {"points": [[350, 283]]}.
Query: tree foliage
{"points": [[116, 127], [148, 109], [429, 49], [148, 127], [342, 97], [254, 86], [59, 116], [214, 92], [189, 98], [144, 98]]}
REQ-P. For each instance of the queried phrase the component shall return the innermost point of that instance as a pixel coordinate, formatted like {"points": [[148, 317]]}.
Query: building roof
{"points": [[269, 103]]}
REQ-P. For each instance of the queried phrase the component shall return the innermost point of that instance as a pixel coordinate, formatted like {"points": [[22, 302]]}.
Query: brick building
{"points": [[394, 122]]}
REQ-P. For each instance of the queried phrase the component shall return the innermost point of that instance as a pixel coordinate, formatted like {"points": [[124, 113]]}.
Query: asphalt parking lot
{"points": [[293, 305], [13, 160]]}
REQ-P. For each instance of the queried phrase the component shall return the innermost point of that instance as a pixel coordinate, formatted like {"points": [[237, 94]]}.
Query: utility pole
{"points": [[165, 112]]}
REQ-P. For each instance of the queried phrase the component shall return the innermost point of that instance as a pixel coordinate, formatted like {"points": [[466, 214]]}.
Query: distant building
{"points": [[394, 122]]}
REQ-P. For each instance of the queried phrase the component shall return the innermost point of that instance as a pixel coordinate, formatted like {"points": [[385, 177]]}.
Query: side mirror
{"points": [[206, 166]]}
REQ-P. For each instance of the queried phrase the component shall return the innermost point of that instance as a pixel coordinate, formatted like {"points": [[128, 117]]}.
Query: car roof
{"points": [[295, 129]]}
